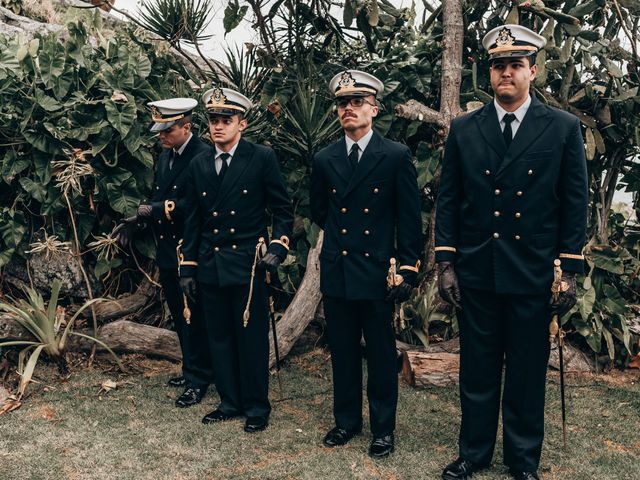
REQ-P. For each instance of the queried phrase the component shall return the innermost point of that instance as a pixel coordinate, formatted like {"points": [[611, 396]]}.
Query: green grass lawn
{"points": [[69, 430]]}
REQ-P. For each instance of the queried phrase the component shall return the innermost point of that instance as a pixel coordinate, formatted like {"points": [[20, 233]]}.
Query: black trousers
{"points": [[347, 321], [240, 354], [196, 362], [496, 331]]}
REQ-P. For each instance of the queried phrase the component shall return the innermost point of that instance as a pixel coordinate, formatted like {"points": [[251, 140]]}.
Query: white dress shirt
{"points": [[362, 143], [219, 160], [179, 150], [519, 113]]}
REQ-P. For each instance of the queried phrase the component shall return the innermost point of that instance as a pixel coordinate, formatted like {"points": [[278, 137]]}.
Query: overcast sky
{"points": [[242, 33]]}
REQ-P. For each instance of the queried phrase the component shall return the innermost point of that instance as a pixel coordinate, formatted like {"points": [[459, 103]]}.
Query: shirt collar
{"points": [[519, 113], [230, 152], [362, 143], [184, 145]]}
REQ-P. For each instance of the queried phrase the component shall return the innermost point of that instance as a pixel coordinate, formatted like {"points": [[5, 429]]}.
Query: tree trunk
{"points": [[302, 308], [130, 337], [424, 369], [125, 305]]}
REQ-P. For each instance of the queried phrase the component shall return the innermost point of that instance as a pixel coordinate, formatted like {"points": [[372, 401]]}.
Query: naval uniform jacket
{"points": [[368, 217], [226, 219], [504, 214], [168, 202]]}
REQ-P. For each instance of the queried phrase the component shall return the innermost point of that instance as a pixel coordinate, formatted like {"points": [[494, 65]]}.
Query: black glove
{"points": [[124, 231], [448, 284], [566, 299], [400, 293], [270, 262], [188, 286], [144, 211]]}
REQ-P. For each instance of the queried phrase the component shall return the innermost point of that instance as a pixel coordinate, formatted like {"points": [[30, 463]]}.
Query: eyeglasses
{"points": [[355, 102]]}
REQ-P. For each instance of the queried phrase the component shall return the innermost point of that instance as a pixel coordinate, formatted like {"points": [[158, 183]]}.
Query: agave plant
{"points": [[51, 330]]}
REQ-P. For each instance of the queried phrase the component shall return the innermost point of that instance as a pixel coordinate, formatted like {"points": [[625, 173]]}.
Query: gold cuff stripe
{"points": [[189, 262], [284, 241], [159, 119], [169, 206], [410, 267], [445, 249], [572, 256]]}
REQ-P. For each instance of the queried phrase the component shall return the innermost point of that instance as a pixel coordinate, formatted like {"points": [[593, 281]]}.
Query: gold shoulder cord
{"points": [[256, 257], [393, 280]]}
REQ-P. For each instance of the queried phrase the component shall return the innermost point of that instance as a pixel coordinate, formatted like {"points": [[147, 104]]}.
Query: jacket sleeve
{"points": [[279, 204], [188, 255], [319, 202], [408, 218], [574, 199], [448, 202]]}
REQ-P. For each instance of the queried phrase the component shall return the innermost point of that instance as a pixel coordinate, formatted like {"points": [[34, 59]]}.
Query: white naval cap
{"points": [[165, 113], [355, 83], [224, 101], [512, 41]]}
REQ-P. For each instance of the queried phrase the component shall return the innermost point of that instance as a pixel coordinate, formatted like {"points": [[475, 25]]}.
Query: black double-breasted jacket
{"points": [[168, 201], [368, 217], [504, 214], [225, 220]]}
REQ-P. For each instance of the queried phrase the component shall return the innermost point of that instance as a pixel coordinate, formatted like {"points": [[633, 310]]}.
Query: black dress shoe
{"points": [[218, 416], [522, 475], [190, 397], [177, 382], [256, 424], [337, 437], [381, 446], [461, 469]]}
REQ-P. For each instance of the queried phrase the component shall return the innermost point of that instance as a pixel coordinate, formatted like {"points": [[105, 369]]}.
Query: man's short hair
{"points": [[184, 120]]}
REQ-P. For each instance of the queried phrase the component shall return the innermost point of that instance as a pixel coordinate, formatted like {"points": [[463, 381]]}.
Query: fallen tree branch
{"points": [[302, 308]]}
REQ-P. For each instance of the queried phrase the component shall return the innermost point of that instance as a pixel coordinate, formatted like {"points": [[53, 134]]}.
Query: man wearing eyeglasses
{"points": [[364, 195]]}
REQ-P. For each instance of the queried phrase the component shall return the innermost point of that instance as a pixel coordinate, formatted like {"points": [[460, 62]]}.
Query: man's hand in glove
{"points": [[144, 211], [188, 286], [448, 284], [125, 230], [400, 293], [567, 298], [270, 262]]}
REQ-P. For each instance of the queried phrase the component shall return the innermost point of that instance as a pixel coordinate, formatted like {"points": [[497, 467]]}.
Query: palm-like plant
{"points": [[177, 20], [48, 327]]}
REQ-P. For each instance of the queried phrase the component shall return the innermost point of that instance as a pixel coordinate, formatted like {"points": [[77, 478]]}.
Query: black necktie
{"points": [[507, 133], [172, 158], [353, 157], [225, 166]]}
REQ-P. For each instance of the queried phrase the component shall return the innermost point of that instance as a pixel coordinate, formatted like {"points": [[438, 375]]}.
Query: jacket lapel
{"points": [[163, 171], [239, 162], [180, 162], [371, 156], [489, 126], [339, 161], [534, 123]]}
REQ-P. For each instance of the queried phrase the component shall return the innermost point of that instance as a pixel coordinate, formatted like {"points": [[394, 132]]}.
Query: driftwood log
{"points": [[121, 336], [438, 365], [424, 369], [302, 308], [127, 304]]}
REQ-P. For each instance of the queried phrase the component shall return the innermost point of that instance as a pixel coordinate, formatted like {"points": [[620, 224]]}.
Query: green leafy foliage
{"points": [[50, 328], [73, 119]]}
